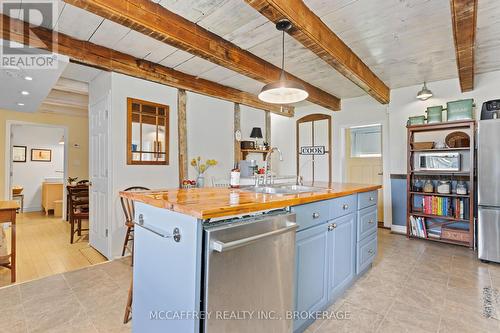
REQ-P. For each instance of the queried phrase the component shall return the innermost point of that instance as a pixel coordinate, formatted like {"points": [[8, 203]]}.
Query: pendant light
{"points": [[283, 91], [424, 94]]}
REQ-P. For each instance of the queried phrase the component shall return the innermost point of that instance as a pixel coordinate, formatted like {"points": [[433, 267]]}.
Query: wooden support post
{"points": [[237, 127], [268, 128], [182, 133]]}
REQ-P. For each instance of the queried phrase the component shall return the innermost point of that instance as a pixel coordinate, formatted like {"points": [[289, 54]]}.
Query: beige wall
{"points": [[78, 159]]}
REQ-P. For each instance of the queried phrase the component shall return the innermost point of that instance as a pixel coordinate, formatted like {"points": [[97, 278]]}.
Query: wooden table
{"points": [[8, 215]]}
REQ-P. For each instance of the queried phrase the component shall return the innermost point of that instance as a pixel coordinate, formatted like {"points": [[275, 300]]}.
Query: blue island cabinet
{"points": [[311, 272], [327, 251]]}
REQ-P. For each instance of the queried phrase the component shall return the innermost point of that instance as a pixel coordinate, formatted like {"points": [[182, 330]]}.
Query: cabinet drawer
{"points": [[367, 250], [367, 222], [312, 214], [343, 206], [367, 199]]}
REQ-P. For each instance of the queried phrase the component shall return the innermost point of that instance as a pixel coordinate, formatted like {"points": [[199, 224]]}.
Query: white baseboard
{"points": [[399, 229], [32, 209]]}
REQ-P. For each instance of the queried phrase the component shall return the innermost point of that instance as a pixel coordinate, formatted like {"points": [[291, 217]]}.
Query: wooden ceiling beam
{"points": [[315, 35], [464, 18], [157, 22], [107, 59]]}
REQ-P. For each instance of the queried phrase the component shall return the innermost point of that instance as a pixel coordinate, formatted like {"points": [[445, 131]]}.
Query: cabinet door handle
{"points": [[372, 198], [332, 226], [370, 222], [370, 251], [345, 207], [315, 215]]}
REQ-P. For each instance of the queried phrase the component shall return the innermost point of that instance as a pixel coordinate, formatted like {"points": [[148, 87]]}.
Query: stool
{"points": [[58, 208]]}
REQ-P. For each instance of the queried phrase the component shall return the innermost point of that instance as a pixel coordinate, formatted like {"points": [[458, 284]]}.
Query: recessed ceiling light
{"points": [[28, 78], [25, 93], [20, 104]]}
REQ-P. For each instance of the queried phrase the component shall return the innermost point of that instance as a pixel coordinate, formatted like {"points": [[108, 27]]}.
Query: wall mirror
{"points": [[147, 133]]}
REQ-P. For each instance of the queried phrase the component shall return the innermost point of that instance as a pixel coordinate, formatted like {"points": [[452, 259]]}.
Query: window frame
{"points": [[130, 102], [366, 129]]}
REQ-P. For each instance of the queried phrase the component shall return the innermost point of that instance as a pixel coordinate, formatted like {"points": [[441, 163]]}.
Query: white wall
{"points": [[30, 175], [151, 176], [393, 117], [250, 118], [404, 104], [210, 134]]}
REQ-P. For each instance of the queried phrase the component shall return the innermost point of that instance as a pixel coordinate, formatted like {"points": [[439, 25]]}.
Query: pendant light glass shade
{"points": [[424, 94], [283, 91]]}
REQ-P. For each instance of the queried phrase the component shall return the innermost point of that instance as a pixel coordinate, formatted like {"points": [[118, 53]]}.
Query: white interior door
{"points": [[365, 168], [100, 189]]}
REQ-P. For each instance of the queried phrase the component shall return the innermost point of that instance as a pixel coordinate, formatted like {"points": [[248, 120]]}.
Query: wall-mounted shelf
{"points": [[245, 152], [433, 222], [439, 149]]}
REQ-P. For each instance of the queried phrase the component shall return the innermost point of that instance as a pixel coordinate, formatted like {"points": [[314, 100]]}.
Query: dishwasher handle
{"points": [[222, 247]]}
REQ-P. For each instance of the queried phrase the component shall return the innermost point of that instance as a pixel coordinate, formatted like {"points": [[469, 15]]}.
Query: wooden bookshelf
{"points": [[451, 195], [431, 221]]}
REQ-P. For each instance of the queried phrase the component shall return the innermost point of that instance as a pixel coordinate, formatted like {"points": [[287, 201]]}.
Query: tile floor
{"points": [[418, 286], [414, 286], [88, 300]]}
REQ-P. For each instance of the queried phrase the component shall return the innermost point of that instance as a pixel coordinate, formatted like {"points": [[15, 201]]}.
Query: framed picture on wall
{"points": [[19, 154], [41, 155]]}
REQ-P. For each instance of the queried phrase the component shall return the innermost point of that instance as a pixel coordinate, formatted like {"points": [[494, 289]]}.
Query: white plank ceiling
{"points": [[403, 41]]}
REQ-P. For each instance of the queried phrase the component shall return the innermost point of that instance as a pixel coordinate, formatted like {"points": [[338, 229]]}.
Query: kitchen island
{"points": [[215, 260]]}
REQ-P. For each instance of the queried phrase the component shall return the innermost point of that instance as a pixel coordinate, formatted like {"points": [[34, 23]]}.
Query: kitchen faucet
{"points": [[300, 178], [266, 164]]}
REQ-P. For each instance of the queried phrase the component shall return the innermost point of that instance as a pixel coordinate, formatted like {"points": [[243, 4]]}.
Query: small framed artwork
{"points": [[19, 154], [41, 155]]}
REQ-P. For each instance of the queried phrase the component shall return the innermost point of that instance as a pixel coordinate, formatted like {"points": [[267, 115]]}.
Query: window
{"points": [[147, 132], [366, 141]]}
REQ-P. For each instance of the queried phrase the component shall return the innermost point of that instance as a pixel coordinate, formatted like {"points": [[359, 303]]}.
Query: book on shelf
{"points": [[418, 227], [434, 205]]}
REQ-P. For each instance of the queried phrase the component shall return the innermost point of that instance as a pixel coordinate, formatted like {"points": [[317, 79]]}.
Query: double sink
{"points": [[282, 189]]}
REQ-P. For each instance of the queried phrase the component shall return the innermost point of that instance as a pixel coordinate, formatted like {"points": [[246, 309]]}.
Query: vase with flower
{"points": [[201, 167]]}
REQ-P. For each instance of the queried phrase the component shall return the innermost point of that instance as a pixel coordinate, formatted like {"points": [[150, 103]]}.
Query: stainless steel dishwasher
{"points": [[249, 269]]}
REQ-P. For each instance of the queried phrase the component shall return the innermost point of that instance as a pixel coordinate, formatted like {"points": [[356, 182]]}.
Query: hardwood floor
{"points": [[43, 248]]}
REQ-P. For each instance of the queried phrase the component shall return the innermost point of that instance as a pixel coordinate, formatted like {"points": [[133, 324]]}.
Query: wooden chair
{"points": [[128, 307], [128, 211], [78, 209]]}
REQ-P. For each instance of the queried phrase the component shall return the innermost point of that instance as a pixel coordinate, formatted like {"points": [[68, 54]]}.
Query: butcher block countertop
{"points": [[207, 203]]}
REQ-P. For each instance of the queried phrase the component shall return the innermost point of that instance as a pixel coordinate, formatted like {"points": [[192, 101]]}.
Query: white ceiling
{"points": [[38, 88], [81, 73], [403, 41]]}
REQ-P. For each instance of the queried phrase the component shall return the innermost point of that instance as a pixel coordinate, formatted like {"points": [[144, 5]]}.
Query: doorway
{"points": [[36, 167], [363, 159]]}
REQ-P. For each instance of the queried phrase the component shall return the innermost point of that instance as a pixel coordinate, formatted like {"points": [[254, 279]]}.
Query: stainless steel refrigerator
{"points": [[488, 162]]}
